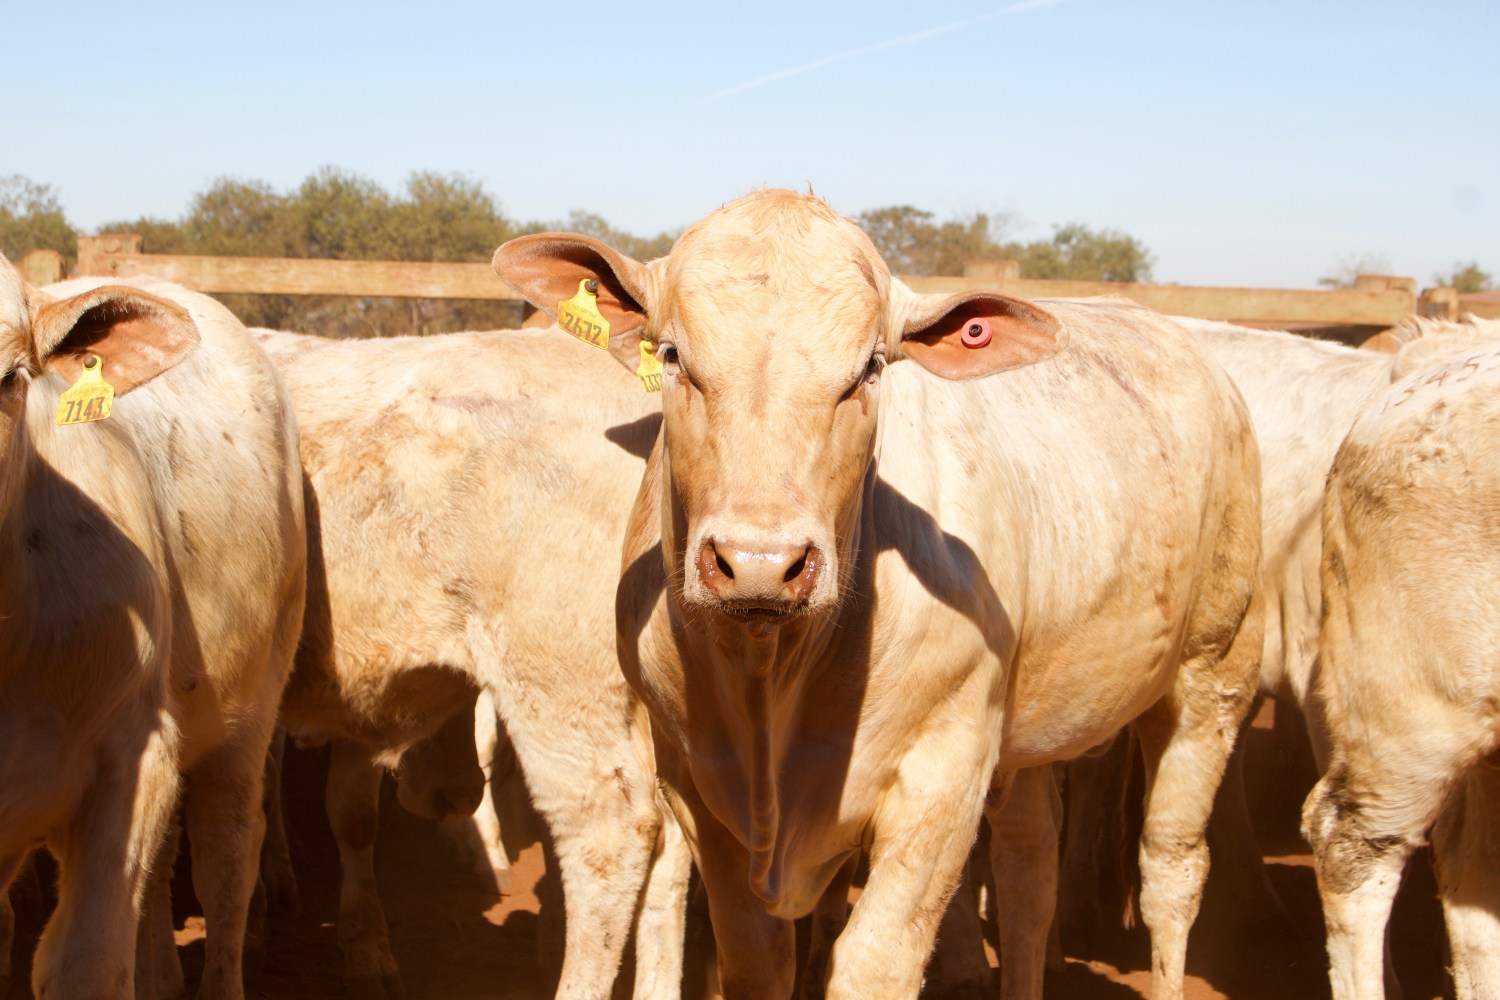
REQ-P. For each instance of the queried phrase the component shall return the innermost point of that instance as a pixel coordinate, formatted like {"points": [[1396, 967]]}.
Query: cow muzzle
{"points": [[758, 581]]}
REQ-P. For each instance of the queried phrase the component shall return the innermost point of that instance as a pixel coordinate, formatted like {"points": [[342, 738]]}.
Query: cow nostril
{"points": [[723, 566], [795, 570]]}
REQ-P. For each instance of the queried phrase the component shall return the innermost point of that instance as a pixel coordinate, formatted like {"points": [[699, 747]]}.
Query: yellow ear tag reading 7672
{"points": [[90, 398], [580, 315], [649, 370]]}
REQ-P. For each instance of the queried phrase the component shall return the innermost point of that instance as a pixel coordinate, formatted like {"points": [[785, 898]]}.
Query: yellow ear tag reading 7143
{"points": [[580, 315], [90, 398], [649, 370]]}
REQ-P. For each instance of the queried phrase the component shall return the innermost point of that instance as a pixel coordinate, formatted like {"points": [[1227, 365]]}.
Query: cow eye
{"points": [[667, 354], [873, 368]]}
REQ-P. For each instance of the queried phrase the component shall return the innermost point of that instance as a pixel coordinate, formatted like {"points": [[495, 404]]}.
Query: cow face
{"points": [[774, 319]]}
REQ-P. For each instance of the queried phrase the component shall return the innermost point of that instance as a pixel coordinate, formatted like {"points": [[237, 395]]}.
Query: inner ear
{"points": [[137, 336], [547, 267], [974, 334]]}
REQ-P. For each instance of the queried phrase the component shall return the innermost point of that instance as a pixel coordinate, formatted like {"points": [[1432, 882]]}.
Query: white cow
{"points": [[467, 494], [1410, 675], [860, 575], [151, 594]]}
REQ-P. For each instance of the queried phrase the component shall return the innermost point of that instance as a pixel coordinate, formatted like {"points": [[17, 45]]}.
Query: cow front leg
{"points": [[104, 854], [922, 839], [352, 798], [1025, 826]]}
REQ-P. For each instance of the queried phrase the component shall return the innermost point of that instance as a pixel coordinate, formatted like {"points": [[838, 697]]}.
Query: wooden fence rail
{"points": [[1375, 301]]}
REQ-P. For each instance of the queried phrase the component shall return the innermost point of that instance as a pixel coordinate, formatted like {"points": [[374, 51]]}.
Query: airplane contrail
{"points": [[890, 43]]}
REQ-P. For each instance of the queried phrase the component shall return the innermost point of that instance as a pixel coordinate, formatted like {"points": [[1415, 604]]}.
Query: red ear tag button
{"points": [[976, 333]]}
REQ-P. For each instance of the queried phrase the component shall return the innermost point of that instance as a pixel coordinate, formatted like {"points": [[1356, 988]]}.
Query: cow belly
{"points": [[1048, 725]]}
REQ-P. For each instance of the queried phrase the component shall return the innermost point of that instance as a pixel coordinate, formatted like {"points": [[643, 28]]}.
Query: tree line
{"points": [[336, 213]]}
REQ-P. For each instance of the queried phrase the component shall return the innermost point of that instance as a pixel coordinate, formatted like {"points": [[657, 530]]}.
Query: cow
{"points": [[889, 546], [1410, 567], [452, 483], [153, 575]]}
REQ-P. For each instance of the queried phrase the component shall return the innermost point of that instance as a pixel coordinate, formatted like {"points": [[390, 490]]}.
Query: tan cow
{"points": [[461, 491], [860, 575], [151, 594], [1409, 680], [1303, 395]]}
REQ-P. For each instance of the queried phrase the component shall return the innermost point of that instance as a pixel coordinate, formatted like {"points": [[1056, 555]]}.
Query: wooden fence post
{"points": [[1438, 303], [42, 267], [92, 248]]}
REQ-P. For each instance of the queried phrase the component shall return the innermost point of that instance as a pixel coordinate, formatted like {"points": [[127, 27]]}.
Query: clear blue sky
{"points": [[1245, 143]]}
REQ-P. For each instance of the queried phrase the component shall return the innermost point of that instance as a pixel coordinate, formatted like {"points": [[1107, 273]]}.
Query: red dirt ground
{"points": [[458, 941]]}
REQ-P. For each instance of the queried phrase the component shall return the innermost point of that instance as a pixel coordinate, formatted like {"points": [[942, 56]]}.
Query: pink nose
{"points": [[772, 577]]}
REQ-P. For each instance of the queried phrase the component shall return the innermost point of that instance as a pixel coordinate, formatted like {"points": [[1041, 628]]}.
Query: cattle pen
{"points": [[1375, 303]]}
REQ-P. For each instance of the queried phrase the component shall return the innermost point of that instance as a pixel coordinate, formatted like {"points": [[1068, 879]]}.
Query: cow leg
{"points": [[661, 924], [959, 968], [756, 951], [1186, 739], [1093, 821], [1024, 829], [1466, 854], [158, 971], [1381, 794], [479, 837], [7, 924], [104, 856], [828, 920], [226, 826], [352, 798], [922, 840], [277, 876], [596, 795]]}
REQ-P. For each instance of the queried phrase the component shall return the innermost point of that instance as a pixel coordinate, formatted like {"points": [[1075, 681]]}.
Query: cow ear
{"points": [[547, 267], [973, 334], [136, 335]]}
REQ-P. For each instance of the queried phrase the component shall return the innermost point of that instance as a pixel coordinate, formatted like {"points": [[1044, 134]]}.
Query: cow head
{"points": [[136, 335], [775, 319]]}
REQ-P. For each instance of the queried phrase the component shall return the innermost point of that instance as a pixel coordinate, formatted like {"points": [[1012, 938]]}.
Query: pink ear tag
{"points": [[976, 333]]}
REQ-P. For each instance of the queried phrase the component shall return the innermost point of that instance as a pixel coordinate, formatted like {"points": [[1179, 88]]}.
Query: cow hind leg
{"points": [[1186, 739], [226, 826], [1025, 826], [661, 924], [352, 799], [597, 799], [1466, 853]]}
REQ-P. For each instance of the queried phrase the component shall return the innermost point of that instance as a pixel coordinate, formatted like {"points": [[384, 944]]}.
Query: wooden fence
{"points": [[1375, 301]]}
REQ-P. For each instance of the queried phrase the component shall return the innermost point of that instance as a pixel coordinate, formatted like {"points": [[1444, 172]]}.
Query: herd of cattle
{"points": [[868, 565]]}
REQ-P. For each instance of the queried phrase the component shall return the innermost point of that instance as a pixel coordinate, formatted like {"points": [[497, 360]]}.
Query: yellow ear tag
{"points": [[90, 398], [649, 370], [580, 315]]}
